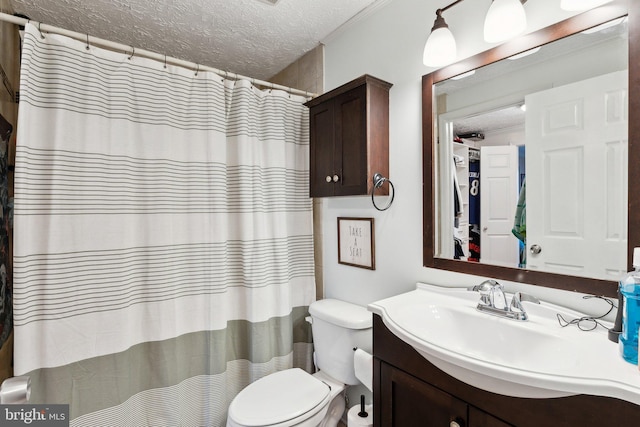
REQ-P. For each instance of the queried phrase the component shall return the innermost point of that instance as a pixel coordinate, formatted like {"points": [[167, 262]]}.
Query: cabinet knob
{"points": [[336, 178], [328, 178], [454, 424]]}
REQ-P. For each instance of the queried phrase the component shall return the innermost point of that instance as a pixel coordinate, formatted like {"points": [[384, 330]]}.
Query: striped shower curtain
{"points": [[163, 236]]}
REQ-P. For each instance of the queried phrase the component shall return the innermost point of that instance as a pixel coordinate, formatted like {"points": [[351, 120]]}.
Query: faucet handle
{"points": [[484, 286], [485, 290], [518, 298]]}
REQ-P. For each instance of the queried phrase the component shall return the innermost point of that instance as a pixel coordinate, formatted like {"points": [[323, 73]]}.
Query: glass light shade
{"points": [[505, 19], [440, 49], [573, 5]]}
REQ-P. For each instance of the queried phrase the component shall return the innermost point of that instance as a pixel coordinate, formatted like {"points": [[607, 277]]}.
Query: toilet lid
{"points": [[277, 398]]}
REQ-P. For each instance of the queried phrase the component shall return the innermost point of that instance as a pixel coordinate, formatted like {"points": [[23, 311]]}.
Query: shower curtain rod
{"points": [[95, 41]]}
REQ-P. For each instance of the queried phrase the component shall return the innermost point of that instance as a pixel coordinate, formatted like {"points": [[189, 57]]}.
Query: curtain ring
{"points": [[87, 41], [165, 61], [133, 52], [41, 35], [378, 181], [197, 68]]}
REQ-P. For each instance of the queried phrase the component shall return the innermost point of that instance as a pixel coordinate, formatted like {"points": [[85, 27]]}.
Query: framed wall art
{"points": [[356, 242]]}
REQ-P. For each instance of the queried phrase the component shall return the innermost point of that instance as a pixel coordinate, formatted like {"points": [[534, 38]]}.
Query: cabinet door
{"points": [[410, 402], [322, 150], [350, 151], [478, 418]]}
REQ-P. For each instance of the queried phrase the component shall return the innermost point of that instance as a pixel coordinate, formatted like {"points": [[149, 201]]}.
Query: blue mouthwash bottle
{"points": [[630, 290]]}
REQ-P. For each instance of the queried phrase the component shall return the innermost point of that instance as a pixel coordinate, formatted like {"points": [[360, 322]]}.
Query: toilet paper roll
{"points": [[355, 420], [15, 390], [363, 366]]}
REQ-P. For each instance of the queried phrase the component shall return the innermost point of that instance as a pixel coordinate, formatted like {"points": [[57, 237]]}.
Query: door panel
{"points": [[478, 418], [321, 142], [498, 202], [576, 138], [351, 142], [414, 403]]}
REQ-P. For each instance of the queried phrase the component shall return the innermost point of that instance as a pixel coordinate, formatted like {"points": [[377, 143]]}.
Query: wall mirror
{"points": [[542, 126]]}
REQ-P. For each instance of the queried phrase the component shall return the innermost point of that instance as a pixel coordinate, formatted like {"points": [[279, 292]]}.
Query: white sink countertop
{"points": [[536, 358]]}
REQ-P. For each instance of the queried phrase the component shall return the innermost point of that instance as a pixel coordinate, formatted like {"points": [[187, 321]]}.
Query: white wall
{"points": [[388, 44]]}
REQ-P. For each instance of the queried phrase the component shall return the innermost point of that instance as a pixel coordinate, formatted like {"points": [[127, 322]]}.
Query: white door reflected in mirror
{"points": [[499, 197], [576, 139]]}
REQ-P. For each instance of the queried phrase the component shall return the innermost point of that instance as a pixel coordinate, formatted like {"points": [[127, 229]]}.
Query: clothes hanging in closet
{"points": [[520, 224], [457, 197], [474, 206]]}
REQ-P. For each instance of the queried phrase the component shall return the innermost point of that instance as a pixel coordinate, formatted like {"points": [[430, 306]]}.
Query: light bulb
{"points": [[505, 19]]}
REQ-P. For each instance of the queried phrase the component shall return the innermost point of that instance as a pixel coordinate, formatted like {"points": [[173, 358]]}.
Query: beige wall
{"points": [[9, 59], [307, 73], [10, 62]]}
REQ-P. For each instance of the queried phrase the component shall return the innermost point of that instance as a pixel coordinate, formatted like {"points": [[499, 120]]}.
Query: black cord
{"points": [[588, 323]]}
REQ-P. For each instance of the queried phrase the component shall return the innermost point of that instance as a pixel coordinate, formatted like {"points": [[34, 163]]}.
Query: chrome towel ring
{"points": [[378, 181]]}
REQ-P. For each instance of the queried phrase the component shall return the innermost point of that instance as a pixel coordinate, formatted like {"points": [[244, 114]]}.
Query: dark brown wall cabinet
{"points": [[349, 138], [408, 391]]}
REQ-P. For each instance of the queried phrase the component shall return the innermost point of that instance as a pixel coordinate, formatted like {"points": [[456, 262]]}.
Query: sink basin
{"points": [[534, 359]]}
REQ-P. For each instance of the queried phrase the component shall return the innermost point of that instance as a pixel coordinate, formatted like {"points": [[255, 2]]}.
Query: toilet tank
{"points": [[339, 328]]}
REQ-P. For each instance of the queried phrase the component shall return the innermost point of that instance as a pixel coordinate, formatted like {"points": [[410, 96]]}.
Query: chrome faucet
{"points": [[494, 301]]}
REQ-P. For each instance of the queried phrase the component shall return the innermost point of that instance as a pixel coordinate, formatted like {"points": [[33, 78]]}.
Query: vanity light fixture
{"points": [[505, 19], [440, 48], [573, 5]]}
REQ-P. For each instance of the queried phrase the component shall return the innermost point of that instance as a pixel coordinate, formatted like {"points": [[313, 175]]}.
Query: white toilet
{"points": [[295, 398]]}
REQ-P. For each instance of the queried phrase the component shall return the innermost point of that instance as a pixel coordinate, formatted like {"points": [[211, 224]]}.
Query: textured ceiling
{"points": [[255, 38]]}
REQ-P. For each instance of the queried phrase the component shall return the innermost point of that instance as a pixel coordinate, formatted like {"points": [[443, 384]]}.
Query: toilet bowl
{"points": [[293, 397], [287, 398]]}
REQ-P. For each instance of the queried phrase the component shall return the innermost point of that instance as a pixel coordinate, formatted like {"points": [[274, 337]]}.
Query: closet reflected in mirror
{"points": [[532, 158]]}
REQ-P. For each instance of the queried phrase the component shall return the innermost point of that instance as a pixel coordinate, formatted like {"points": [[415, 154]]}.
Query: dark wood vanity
{"points": [[411, 392]]}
